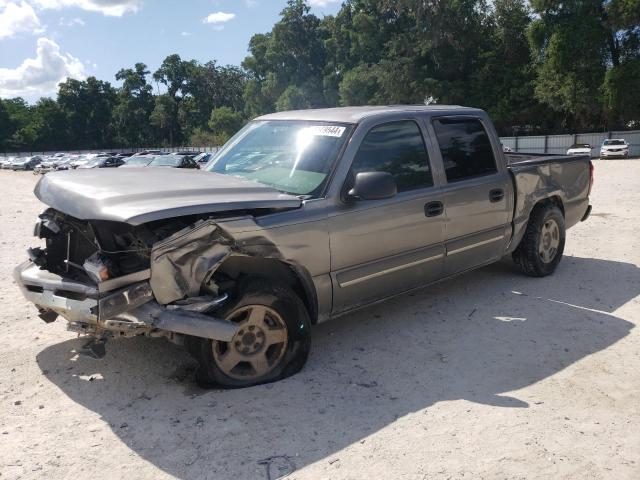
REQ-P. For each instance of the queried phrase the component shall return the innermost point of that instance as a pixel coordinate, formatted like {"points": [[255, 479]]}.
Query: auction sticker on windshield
{"points": [[327, 130]]}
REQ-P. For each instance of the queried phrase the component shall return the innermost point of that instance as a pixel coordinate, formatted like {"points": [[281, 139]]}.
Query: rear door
{"points": [[383, 247], [478, 193]]}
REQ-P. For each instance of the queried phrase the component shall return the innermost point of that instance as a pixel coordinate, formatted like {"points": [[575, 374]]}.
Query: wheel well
{"points": [[553, 200], [237, 267]]}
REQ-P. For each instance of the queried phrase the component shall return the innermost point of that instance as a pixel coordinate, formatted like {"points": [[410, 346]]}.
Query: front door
{"points": [[383, 247]]}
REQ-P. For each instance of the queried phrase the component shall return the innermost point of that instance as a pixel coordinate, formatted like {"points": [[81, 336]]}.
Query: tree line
{"points": [[543, 66]]}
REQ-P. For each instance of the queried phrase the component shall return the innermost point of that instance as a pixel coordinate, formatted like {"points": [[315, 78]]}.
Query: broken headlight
{"points": [[97, 268]]}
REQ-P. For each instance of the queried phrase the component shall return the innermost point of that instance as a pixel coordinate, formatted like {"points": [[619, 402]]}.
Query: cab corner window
{"points": [[465, 148], [396, 148]]}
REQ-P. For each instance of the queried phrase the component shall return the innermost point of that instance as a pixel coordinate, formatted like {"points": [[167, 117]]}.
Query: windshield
{"points": [[165, 161], [139, 160], [613, 142], [580, 145], [291, 156], [202, 158]]}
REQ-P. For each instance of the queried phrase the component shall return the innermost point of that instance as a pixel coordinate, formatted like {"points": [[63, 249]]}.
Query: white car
{"points": [[5, 163], [579, 149], [82, 160], [614, 147]]}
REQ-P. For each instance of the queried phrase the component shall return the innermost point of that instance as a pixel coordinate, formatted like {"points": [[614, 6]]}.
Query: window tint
{"points": [[465, 147], [396, 148]]}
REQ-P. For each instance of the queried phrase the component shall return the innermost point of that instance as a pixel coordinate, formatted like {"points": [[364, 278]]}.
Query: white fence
{"points": [[560, 143]]}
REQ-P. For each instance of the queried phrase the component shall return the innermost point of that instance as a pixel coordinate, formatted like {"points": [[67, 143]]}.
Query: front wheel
{"points": [[541, 248], [272, 342]]}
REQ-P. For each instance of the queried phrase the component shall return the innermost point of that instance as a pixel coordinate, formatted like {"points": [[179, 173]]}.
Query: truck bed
{"points": [[536, 177], [537, 159]]}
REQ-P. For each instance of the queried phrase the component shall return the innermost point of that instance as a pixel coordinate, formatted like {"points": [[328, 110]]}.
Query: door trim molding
{"points": [[474, 245], [390, 270]]}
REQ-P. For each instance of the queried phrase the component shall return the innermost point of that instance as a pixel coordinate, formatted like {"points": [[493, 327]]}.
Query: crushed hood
{"points": [[140, 195]]}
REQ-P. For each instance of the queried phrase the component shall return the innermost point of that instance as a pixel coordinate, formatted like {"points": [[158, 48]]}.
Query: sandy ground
{"points": [[492, 375]]}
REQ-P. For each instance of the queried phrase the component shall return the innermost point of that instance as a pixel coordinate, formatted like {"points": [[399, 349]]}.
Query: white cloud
{"points": [[112, 8], [185, 34], [72, 22], [322, 3], [17, 18], [41, 75], [219, 17]]}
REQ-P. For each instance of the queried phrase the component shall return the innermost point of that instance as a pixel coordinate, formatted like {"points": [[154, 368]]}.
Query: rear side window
{"points": [[465, 148], [396, 148]]}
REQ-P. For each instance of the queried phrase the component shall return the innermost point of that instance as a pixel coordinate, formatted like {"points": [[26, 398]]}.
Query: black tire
{"points": [[527, 255], [291, 310]]}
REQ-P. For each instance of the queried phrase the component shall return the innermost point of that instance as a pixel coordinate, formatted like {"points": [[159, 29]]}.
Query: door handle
{"points": [[433, 209], [496, 195]]}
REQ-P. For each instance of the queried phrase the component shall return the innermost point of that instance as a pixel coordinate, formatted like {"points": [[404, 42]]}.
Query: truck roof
{"points": [[356, 114]]}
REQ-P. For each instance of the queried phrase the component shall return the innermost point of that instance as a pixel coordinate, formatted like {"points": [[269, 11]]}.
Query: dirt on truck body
{"points": [[301, 217]]}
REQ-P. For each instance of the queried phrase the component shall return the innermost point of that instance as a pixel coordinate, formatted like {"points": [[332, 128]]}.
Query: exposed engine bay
{"points": [[98, 250], [109, 277]]}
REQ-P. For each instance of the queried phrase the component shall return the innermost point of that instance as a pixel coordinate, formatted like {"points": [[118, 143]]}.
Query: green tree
{"points": [[575, 43], [224, 123], [164, 118], [49, 126], [622, 94], [134, 105], [292, 54], [87, 106], [360, 86]]}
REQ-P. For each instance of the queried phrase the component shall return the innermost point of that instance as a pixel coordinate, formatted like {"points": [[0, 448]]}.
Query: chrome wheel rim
{"points": [[549, 241], [257, 347]]}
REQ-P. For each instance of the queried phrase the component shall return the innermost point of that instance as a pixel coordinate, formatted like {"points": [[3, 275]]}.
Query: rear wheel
{"points": [[272, 342], [541, 248]]}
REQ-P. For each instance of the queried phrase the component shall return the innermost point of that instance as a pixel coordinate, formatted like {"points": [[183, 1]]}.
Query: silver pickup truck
{"points": [[301, 217]]}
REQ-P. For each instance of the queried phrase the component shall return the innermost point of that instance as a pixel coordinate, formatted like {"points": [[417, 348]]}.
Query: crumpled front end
{"points": [[110, 278]]}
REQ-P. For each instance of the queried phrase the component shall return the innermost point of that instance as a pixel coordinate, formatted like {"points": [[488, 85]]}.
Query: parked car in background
{"points": [[203, 158], [26, 163], [614, 147], [103, 162], [64, 163], [150, 152], [81, 160], [49, 163], [138, 161], [506, 149], [5, 163], [173, 161], [579, 149]]}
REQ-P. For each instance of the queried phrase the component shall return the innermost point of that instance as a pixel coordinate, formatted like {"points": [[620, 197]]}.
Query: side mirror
{"points": [[373, 186]]}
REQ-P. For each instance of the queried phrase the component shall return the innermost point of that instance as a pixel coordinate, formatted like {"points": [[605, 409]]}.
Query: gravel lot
{"points": [[491, 375]]}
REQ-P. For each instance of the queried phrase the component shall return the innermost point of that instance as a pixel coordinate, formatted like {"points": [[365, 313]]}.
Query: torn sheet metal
{"points": [[181, 263]]}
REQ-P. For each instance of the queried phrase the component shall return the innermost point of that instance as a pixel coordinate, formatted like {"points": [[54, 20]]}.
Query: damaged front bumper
{"points": [[124, 306]]}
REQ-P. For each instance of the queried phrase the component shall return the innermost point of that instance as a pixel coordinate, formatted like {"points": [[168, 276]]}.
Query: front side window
{"points": [[465, 148], [396, 148]]}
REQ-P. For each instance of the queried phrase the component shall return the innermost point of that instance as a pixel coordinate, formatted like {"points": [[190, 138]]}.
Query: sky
{"points": [[43, 42]]}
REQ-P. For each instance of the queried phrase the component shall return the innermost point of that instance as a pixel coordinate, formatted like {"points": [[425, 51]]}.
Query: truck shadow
{"points": [[477, 338]]}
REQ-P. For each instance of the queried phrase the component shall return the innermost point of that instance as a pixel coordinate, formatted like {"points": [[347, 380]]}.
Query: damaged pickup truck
{"points": [[301, 217]]}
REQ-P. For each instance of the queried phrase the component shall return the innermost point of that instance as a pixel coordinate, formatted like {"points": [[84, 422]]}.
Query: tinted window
{"points": [[396, 148], [465, 147]]}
